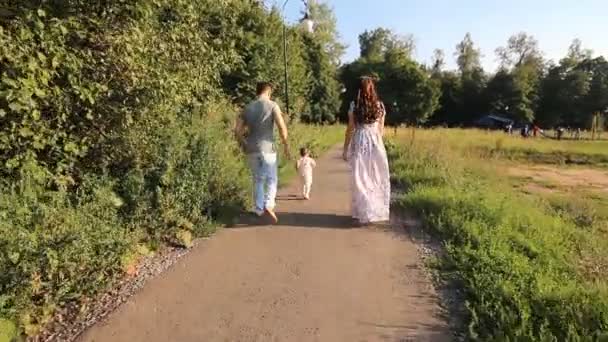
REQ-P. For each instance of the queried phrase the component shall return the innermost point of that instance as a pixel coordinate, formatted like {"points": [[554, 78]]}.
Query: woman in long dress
{"points": [[364, 150]]}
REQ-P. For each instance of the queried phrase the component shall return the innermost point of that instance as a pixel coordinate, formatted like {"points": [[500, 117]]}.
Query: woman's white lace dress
{"points": [[370, 177]]}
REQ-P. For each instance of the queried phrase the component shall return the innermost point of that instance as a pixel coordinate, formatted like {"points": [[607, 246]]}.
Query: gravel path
{"points": [[313, 277], [72, 321]]}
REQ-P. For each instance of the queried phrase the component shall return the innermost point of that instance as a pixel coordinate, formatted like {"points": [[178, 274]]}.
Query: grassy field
{"points": [[478, 143], [525, 232]]}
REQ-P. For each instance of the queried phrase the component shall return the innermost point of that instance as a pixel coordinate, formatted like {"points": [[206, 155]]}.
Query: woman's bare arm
{"points": [[349, 132], [381, 123]]}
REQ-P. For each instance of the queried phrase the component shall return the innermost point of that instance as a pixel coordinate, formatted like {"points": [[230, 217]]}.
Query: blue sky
{"points": [[443, 23]]}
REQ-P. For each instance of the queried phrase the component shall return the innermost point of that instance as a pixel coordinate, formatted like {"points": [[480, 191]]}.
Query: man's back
{"points": [[259, 117]]}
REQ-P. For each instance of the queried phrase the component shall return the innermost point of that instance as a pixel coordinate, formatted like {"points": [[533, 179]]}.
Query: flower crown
{"points": [[369, 77]]}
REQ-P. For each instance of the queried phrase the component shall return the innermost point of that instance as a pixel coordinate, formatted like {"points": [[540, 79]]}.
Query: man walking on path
{"points": [[255, 133]]}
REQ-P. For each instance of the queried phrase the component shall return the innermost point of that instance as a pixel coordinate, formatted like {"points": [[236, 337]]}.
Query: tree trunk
{"points": [[413, 135], [594, 126]]}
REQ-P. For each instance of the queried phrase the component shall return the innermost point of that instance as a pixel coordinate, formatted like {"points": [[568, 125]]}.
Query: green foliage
{"points": [[322, 51], [573, 91], [116, 133], [8, 331], [379, 43], [56, 249], [324, 87], [525, 88], [410, 96], [467, 56], [525, 264]]}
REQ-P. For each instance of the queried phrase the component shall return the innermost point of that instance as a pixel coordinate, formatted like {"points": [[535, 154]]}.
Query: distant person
{"points": [[364, 150], [255, 133], [305, 166], [577, 134], [535, 130], [560, 133]]}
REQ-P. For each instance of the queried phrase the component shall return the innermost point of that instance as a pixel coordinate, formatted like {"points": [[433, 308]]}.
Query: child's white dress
{"points": [[305, 166]]}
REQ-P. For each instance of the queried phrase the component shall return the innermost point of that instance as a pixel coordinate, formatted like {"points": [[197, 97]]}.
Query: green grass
{"points": [[533, 268], [487, 144]]}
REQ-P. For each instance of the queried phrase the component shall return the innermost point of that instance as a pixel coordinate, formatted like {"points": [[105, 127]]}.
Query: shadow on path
{"points": [[412, 332], [301, 220]]}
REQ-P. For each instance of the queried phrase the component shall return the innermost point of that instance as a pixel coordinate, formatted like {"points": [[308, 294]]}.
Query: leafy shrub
{"points": [[53, 249], [59, 246], [115, 135], [187, 175]]}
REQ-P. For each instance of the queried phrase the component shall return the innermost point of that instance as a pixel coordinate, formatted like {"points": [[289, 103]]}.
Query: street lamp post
{"points": [[308, 26]]}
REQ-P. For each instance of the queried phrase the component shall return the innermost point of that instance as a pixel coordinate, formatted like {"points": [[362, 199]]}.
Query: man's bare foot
{"points": [[307, 197], [273, 216]]}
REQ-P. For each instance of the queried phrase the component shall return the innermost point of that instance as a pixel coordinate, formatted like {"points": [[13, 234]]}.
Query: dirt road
{"points": [[313, 277]]}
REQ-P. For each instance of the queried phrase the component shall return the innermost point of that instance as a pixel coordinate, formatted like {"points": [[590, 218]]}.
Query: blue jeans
{"points": [[264, 168]]}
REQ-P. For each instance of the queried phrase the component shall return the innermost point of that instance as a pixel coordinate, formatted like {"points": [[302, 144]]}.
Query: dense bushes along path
{"points": [[312, 278]]}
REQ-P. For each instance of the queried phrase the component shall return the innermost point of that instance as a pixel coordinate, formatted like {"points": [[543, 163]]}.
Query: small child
{"points": [[305, 165]]}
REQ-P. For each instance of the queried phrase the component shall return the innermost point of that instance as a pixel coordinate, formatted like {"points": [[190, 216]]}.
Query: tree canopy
{"points": [[408, 92], [526, 87]]}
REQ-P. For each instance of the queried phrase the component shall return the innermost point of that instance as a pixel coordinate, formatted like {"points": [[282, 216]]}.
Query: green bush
{"points": [[54, 249], [61, 246], [517, 261], [116, 135], [185, 175]]}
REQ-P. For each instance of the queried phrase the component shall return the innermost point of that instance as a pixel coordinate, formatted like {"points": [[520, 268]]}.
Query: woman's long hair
{"points": [[367, 107]]}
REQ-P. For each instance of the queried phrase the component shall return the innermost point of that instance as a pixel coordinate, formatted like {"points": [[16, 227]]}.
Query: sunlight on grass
{"points": [[534, 265]]}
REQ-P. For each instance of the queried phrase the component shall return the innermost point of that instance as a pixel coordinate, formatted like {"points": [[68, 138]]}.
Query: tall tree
{"points": [[408, 92], [467, 55], [572, 93], [323, 51], [521, 49], [326, 31], [576, 54], [324, 88], [596, 99], [472, 80], [553, 102], [522, 58], [449, 110], [259, 53], [438, 61], [375, 44]]}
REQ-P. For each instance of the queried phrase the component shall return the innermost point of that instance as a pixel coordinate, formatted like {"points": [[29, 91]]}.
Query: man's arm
{"points": [[280, 123]]}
